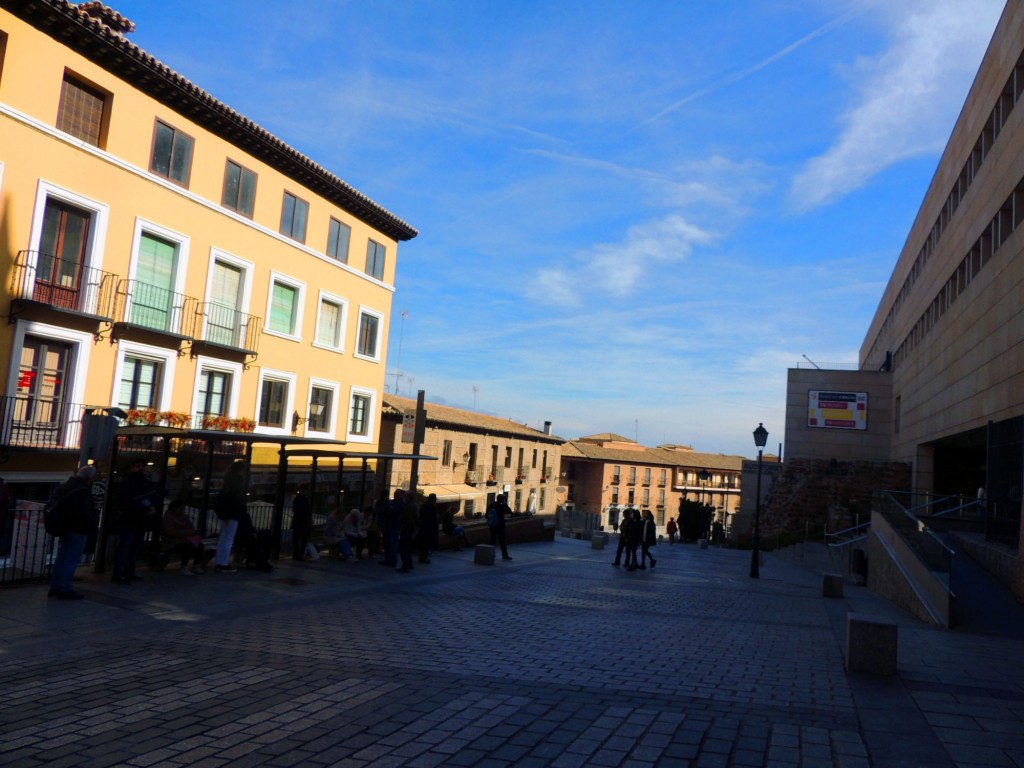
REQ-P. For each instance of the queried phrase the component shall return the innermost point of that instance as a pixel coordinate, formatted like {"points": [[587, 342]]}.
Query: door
{"points": [[62, 250], [41, 408]]}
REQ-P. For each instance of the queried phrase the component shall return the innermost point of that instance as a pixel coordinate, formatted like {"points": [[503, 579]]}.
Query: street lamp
{"points": [[760, 440], [703, 476]]}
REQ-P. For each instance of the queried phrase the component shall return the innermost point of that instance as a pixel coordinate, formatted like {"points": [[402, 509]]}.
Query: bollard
{"points": [[483, 554]]}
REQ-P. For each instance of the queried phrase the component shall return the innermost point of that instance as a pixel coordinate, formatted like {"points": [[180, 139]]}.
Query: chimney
{"points": [[547, 427]]}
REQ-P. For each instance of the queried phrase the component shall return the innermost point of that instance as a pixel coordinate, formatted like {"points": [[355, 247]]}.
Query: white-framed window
{"points": [[276, 406], [331, 317], [144, 376], [47, 384], [361, 415], [216, 388], [323, 406], [228, 289], [157, 274], [368, 341], [77, 240], [284, 306]]}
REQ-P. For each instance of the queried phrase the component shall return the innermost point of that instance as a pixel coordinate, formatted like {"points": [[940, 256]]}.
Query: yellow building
{"points": [[165, 255]]}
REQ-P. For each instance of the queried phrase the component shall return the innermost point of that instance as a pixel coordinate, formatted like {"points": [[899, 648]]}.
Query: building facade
{"points": [[944, 353], [477, 457], [603, 474], [166, 256]]}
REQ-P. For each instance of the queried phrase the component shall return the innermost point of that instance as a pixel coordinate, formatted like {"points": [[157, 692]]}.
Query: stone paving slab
{"points": [[553, 659]]}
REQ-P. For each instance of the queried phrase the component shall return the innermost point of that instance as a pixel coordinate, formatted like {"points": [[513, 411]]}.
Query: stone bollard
{"points": [[832, 585], [567, 533], [871, 644], [703, 543], [598, 540], [483, 554]]}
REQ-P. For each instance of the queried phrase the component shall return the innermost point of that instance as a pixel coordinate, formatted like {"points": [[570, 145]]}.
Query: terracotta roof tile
{"points": [[396, 405]]}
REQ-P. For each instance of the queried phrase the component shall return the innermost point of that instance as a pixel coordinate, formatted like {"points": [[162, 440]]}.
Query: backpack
{"points": [[492, 516]]}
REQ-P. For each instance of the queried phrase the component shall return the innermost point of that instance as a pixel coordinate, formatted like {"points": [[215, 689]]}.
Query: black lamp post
{"points": [[760, 440], [703, 476]]}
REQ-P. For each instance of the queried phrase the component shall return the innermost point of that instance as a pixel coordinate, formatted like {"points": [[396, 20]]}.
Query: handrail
{"points": [[931, 550], [846, 531]]}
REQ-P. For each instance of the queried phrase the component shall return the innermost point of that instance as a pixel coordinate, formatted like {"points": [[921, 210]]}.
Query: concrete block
{"points": [[832, 584], [483, 554], [871, 644], [567, 533], [597, 541], [703, 543]]}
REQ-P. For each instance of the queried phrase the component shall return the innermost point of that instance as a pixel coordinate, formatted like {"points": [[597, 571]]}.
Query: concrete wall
{"points": [[805, 442]]}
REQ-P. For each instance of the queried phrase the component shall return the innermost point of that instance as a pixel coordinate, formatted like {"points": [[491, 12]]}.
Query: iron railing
{"points": [[39, 422], [142, 305], [935, 555], [227, 327], [63, 284]]}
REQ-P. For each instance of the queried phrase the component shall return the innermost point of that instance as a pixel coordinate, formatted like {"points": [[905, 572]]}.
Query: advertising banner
{"points": [[837, 410]]}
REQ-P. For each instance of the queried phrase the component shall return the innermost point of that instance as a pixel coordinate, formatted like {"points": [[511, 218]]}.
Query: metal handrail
{"points": [[36, 422], [228, 327], [931, 550], [143, 305]]}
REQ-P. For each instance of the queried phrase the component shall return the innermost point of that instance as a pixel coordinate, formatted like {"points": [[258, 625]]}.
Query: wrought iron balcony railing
{"points": [[40, 422], [149, 307], [64, 285], [225, 326]]}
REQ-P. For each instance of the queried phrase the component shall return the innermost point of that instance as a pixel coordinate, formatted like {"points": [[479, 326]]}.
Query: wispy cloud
{"points": [[615, 270], [907, 98], [748, 71]]}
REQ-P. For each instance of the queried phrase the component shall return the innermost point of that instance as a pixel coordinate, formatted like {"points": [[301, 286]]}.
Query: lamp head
{"points": [[760, 436]]}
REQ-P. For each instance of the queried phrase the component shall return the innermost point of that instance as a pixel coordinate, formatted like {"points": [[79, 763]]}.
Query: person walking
{"points": [[427, 540], [495, 517], [302, 523], [648, 539], [634, 530], [622, 538], [671, 529], [138, 513], [78, 519]]}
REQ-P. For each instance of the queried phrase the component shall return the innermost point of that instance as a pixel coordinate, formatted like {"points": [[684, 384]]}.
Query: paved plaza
{"points": [[554, 658]]}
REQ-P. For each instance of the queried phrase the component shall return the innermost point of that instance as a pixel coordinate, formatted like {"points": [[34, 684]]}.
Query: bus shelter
{"points": [[189, 464]]}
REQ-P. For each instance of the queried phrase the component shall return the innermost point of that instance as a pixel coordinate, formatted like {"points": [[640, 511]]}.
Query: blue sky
{"points": [[633, 216]]}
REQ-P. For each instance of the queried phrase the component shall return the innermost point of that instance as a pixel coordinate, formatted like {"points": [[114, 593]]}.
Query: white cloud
{"points": [[616, 270], [908, 96]]}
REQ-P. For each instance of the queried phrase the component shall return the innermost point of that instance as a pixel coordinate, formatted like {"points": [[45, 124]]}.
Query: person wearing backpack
{"points": [[495, 517], [74, 517]]}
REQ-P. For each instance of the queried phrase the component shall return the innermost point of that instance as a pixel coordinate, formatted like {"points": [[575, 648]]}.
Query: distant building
{"points": [[605, 473], [478, 457]]}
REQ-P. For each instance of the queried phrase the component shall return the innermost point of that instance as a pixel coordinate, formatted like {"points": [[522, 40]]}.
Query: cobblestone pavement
{"points": [[555, 658]]}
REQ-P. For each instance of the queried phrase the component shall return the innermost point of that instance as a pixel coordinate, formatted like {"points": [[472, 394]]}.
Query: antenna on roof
{"points": [[475, 390], [805, 357]]}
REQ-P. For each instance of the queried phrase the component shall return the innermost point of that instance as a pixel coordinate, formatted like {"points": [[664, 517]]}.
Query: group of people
{"points": [[636, 531], [397, 528]]}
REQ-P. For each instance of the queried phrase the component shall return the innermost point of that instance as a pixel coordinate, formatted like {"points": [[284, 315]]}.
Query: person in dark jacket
{"points": [[138, 513], [495, 517], [79, 520], [627, 515], [302, 523], [428, 540], [390, 519], [634, 530], [648, 538]]}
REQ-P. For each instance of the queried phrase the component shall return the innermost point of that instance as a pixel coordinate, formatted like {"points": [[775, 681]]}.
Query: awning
{"points": [[452, 492]]}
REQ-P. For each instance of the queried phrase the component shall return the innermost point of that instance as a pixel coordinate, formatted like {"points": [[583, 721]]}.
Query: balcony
{"points": [[474, 476], [40, 423], [546, 474], [223, 331], [44, 284], [148, 312]]}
